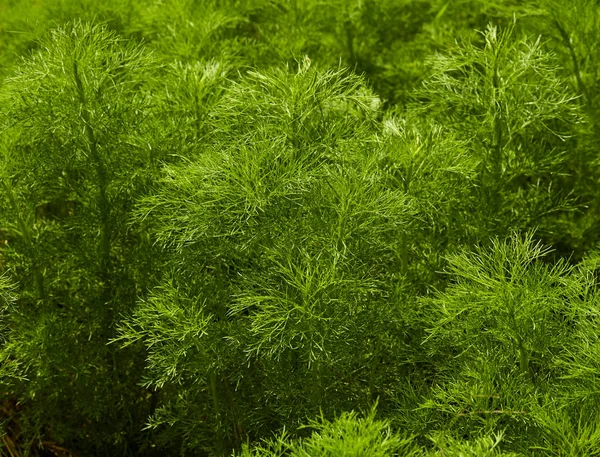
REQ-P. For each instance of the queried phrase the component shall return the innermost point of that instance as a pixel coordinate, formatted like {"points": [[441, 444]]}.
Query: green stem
{"points": [[498, 128], [239, 432], [497, 148], [581, 87], [102, 176]]}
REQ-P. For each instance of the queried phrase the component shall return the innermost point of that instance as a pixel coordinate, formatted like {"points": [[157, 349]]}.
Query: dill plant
{"points": [[274, 230], [486, 146], [508, 101], [575, 30], [348, 435], [352, 435], [189, 30], [569, 416], [504, 327], [573, 35], [76, 149]]}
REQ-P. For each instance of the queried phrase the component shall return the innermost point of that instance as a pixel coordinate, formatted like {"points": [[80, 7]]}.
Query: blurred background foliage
{"points": [[299, 227]]}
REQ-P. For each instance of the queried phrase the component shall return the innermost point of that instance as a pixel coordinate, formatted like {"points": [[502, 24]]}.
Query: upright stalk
{"points": [[498, 126], [102, 176], [581, 87], [497, 151]]}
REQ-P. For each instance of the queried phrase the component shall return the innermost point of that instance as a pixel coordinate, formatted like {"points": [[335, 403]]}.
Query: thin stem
{"points": [[103, 202], [581, 87], [498, 126]]}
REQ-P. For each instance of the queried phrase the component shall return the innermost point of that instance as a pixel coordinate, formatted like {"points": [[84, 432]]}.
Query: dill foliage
{"points": [[299, 228]]}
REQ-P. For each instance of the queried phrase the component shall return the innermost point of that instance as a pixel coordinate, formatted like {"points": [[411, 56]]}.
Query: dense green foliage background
{"points": [[299, 228]]}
